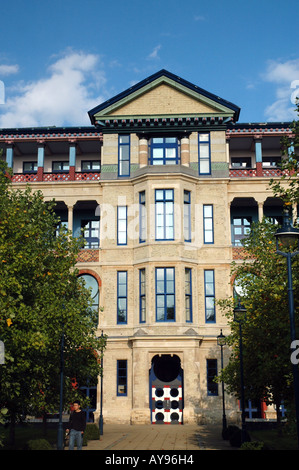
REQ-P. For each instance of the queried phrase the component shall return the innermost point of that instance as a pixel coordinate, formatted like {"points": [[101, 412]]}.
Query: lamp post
{"points": [[101, 402], [239, 316], [288, 237], [221, 341], [60, 427]]}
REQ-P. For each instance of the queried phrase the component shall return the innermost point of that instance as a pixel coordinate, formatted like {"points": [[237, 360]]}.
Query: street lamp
{"points": [[101, 403], [60, 426], [221, 341], [239, 316], [288, 237]]}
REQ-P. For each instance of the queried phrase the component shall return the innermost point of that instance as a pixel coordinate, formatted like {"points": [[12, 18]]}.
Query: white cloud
{"points": [[8, 70], [154, 53], [285, 76], [61, 98]]}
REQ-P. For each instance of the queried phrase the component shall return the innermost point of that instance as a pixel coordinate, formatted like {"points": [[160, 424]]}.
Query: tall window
{"points": [[164, 151], [91, 233], [212, 387], [122, 299], [165, 294], [164, 201], [204, 153], [142, 296], [241, 228], [123, 155], [209, 295], [188, 294], [208, 225], [187, 216], [92, 284], [122, 225], [142, 217], [122, 378]]}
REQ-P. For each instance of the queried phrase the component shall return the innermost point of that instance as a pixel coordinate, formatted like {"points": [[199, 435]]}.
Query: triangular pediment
{"points": [[163, 94]]}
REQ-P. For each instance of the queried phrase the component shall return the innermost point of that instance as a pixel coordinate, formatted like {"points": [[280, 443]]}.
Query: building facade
{"points": [[163, 184]]}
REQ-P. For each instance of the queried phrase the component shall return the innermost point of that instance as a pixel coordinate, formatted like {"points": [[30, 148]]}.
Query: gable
{"points": [[163, 100], [164, 95]]}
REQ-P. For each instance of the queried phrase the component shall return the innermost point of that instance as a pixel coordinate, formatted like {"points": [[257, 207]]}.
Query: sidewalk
{"points": [[159, 437]]}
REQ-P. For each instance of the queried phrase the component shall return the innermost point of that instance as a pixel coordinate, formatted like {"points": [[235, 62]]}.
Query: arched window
{"points": [[92, 284]]}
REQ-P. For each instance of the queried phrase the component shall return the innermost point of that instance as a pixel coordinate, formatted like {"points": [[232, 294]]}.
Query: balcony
{"points": [[53, 177]]}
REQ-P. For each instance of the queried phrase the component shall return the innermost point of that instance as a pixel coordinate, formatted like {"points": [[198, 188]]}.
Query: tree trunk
{"points": [[12, 430]]}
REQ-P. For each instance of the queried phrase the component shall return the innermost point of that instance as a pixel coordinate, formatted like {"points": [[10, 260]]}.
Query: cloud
{"points": [[63, 97], [285, 77], [8, 70], [154, 53]]}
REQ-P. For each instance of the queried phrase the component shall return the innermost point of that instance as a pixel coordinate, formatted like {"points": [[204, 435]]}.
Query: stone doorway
{"points": [[166, 389]]}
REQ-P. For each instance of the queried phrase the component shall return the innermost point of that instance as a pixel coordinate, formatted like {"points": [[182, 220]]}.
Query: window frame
{"points": [[165, 294], [164, 146], [124, 376], [207, 230], [164, 202], [187, 216], [119, 231], [64, 166], [209, 296], [33, 169], [142, 217], [121, 147], [188, 296], [122, 297], [90, 240], [204, 159], [142, 295], [212, 372], [91, 169]]}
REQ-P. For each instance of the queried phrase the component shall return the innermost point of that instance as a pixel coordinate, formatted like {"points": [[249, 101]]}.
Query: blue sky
{"points": [[59, 59]]}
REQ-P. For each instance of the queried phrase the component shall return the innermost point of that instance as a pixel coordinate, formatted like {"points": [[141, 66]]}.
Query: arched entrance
{"points": [[166, 389]]}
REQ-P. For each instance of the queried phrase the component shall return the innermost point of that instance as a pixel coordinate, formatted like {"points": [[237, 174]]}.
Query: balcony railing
{"points": [[34, 177], [252, 172]]}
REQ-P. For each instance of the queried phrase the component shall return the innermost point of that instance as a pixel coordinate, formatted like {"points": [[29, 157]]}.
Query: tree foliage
{"points": [[41, 299], [287, 187], [266, 330]]}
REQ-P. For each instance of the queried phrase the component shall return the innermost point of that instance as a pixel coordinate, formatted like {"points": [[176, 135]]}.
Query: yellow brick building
{"points": [[164, 185]]}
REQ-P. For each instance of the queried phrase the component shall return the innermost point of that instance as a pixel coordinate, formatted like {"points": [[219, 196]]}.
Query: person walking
{"points": [[77, 425]]}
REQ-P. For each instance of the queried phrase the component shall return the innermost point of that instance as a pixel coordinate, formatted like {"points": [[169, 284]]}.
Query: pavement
{"points": [[152, 437]]}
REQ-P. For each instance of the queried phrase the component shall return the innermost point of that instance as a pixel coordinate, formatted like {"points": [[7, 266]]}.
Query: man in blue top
{"points": [[77, 425]]}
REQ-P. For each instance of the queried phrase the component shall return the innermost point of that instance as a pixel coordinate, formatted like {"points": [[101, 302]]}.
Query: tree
{"points": [[287, 187], [41, 299], [266, 331]]}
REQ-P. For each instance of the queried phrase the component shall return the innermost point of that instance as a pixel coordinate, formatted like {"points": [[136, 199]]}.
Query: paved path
{"points": [[159, 437]]}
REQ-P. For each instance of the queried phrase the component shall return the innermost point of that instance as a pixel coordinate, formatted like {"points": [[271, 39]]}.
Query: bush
{"points": [[92, 432], [229, 431], [235, 439], [38, 444], [254, 445]]}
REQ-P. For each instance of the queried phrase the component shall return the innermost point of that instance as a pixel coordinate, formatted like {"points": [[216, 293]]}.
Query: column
{"points": [[185, 151], [72, 160], [260, 211], [70, 218], [40, 160], [258, 155], [143, 152]]}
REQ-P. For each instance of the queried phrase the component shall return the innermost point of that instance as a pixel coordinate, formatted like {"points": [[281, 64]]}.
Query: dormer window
{"points": [[164, 151]]}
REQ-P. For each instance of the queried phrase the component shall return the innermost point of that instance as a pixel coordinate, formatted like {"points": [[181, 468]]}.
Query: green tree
{"points": [[41, 299], [287, 187], [266, 330]]}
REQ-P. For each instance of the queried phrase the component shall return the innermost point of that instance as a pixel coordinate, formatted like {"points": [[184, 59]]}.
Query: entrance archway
{"points": [[166, 390]]}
